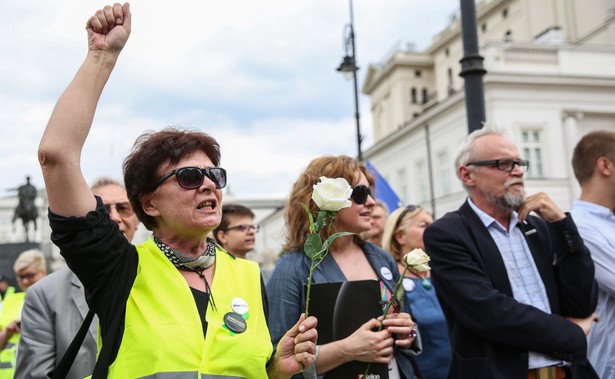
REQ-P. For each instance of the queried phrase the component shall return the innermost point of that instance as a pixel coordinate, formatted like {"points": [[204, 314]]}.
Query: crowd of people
{"points": [[515, 289]]}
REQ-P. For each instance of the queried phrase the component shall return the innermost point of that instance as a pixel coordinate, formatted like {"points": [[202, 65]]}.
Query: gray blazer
{"points": [[53, 311]]}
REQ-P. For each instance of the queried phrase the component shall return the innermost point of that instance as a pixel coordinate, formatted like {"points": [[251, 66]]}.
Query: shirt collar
{"points": [[596, 209], [487, 220]]}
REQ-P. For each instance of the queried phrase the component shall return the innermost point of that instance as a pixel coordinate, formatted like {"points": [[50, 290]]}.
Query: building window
{"points": [[508, 36], [444, 173], [413, 96], [425, 96], [447, 52], [403, 185], [418, 73], [532, 151], [505, 13], [422, 181], [451, 89], [483, 27]]}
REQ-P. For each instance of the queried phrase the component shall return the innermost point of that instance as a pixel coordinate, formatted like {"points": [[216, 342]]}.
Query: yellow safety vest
{"points": [[11, 310], [9, 290], [163, 336]]}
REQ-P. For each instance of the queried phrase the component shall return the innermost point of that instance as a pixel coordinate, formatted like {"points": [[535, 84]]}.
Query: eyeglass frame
{"points": [[354, 194], [28, 276], [108, 207], [244, 228], [410, 208], [205, 172], [523, 164]]}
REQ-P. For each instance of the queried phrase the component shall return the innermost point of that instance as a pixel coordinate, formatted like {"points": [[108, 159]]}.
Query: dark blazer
{"points": [[491, 333]]}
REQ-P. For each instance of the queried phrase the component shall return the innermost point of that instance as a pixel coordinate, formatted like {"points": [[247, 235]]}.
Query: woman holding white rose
{"points": [[403, 232], [349, 259]]}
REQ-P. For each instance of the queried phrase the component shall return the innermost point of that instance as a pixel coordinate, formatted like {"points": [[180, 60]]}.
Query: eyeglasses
{"points": [[409, 209], [27, 276], [193, 177], [503, 164], [360, 193], [123, 208], [245, 227]]}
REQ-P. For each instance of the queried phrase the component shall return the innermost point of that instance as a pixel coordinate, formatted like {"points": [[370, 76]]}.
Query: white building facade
{"points": [[550, 79]]}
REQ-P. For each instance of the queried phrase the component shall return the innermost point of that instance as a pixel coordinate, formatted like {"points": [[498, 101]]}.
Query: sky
{"points": [[259, 76]]}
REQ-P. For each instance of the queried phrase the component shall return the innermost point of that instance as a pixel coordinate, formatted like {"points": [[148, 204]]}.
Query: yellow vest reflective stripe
{"points": [[163, 336], [11, 310], [186, 375]]}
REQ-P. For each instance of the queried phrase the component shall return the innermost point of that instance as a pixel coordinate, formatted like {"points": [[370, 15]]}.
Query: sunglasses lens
{"points": [[124, 209], [190, 177], [360, 193], [218, 176]]}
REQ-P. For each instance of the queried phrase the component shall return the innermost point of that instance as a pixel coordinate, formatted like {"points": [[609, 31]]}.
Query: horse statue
{"points": [[26, 209]]}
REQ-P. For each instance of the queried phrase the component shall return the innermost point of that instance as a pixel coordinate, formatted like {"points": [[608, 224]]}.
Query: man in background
{"points": [[30, 267], [237, 231], [5, 288], [379, 217], [517, 290], [593, 162], [55, 308]]}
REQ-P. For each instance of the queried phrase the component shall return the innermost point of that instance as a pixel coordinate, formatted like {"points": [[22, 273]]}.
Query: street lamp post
{"points": [[349, 65]]}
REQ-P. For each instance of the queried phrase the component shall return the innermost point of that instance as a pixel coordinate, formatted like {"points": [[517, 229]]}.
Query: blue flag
{"points": [[384, 192]]}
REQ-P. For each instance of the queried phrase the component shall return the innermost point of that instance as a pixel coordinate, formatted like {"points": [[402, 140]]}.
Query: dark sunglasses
{"points": [[124, 208], [409, 209], [193, 177], [360, 193]]}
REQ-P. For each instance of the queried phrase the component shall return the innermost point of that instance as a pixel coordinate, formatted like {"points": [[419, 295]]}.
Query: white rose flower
{"points": [[332, 194], [418, 260]]}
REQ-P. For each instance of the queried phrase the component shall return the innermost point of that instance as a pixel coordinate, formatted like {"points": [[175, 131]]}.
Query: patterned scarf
{"points": [[185, 262]]}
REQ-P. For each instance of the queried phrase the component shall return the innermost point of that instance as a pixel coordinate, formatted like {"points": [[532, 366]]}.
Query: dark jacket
{"points": [[491, 333]]}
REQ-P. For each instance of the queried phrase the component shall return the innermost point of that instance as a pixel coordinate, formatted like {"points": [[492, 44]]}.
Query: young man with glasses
{"points": [[29, 267], [237, 231], [56, 306], [517, 290]]}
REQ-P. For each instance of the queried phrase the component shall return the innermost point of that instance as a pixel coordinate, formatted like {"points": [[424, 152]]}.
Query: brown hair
{"points": [[150, 151], [330, 166], [591, 147], [231, 210]]}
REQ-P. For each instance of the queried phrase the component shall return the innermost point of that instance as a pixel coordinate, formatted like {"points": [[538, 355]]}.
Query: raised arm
{"points": [[60, 148]]}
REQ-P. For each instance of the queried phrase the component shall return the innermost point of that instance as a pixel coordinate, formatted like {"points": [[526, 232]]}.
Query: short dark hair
{"points": [[152, 149], [232, 210], [592, 146]]}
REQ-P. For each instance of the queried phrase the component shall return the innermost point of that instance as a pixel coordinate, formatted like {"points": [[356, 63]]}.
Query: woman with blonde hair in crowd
{"points": [[349, 259], [403, 232]]}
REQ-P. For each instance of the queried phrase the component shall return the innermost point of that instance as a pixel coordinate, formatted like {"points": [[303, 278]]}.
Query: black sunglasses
{"points": [[409, 209], [360, 193], [193, 177], [503, 164]]}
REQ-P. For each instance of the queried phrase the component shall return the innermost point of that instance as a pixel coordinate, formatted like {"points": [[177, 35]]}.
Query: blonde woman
{"points": [[403, 232]]}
